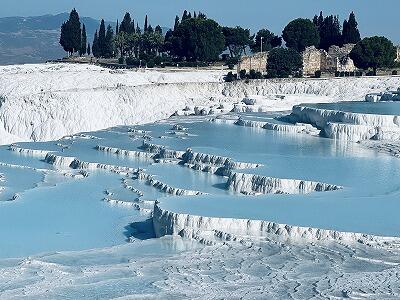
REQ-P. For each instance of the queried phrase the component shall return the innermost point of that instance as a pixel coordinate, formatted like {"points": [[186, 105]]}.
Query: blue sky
{"points": [[374, 17]]}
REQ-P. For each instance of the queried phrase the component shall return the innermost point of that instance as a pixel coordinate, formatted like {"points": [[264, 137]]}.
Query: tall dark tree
{"points": [[95, 45], [117, 28], [127, 25], [70, 38], [284, 62], [198, 39], [158, 30], [102, 39], [350, 34], [374, 52], [269, 41], [108, 50], [176, 22], [83, 49], [145, 25], [301, 33], [185, 15], [236, 40], [88, 51], [329, 32]]}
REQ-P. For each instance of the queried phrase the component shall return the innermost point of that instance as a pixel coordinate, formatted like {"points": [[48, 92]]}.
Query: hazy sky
{"points": [[375, 17]]}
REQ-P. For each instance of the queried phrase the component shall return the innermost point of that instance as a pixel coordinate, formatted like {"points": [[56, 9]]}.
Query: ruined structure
{"points": [[257, 62], [335, 59], [397, 54]]}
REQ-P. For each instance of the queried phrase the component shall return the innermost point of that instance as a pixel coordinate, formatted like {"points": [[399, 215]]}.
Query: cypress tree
{"points": [[127, 25], [88, 49], [102, 39], [70, 38], [176, 23], [350, 30], [117, 28], [185, 15], [82, 50], [145, 25], [158, 30], [74, 26], [109, 42], [95, 45], [138, 31]]}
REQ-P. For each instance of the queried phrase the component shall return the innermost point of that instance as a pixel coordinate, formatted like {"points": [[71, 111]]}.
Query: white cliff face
{"points": [[320, 117], [251, 184], [347, 125], [170, 223], [47, 102]]}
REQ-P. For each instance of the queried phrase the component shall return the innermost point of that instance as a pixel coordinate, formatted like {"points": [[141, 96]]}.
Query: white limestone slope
{"points": [[251, 184], [351, 126], [170, 223], [48, 101]]}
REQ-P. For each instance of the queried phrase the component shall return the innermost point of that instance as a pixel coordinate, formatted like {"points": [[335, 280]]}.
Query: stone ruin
{"points": [[257, 62], [335, 59]]}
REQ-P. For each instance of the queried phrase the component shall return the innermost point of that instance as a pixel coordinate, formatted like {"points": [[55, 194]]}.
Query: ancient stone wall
{"points": [[257, 62]]}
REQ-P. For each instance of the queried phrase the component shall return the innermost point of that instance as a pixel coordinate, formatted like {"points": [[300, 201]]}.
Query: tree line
{"points": [[196, 38]]}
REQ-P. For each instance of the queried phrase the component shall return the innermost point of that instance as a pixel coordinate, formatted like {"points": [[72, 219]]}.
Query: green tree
{"points": [[95, 45], [350, 32], [102, 39], [120, 42], [127, 24], [88, 49], [70, 38], [301, 33], [329, 31], [236, 40], [284, 62], [199, 39], [269, 41], [82, 50], [145, 25], [374, 52], [108, 50]]}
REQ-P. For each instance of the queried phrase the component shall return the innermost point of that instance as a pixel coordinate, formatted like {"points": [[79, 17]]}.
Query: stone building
{"points": [[335, 59], [257, 62], [397, 54]]}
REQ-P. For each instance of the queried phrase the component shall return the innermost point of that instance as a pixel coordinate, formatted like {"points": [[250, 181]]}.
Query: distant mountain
{"points": [[35, 39]]}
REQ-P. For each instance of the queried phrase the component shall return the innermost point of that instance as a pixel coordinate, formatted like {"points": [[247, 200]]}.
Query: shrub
{"points": [[341, 74], [394, 72], [346, 74], [230, 66], [370, 73], [121, 60], [229, 77], [150, 63], [132, 61], [359, 73], [317, 74], [254, 75], [352, 73], [337, 74], [242, 74]]}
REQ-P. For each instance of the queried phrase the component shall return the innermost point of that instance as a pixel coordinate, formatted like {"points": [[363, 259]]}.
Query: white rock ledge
{"points": [[169, 223], [251, 184]]}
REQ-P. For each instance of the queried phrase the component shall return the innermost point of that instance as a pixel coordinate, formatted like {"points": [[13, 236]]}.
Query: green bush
{"points": [[242, 74], [121, 60], [132, 61], [394, 72], [150, 63], [230, 77], [318, 74], [337, 74]]}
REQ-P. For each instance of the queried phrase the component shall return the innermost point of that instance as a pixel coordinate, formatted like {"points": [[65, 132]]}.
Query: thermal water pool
{"points": [[57, 211]]}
